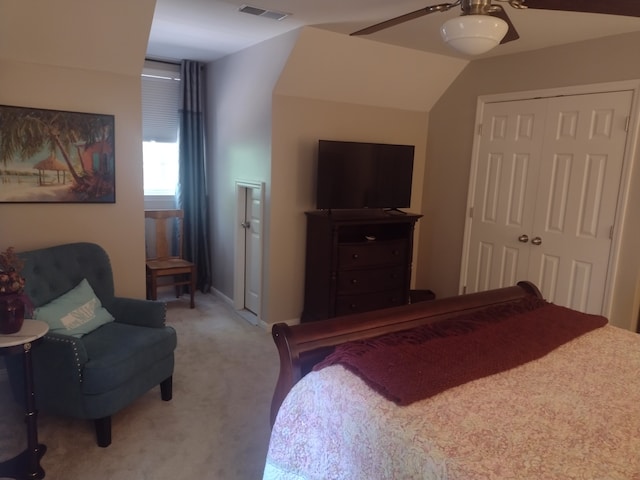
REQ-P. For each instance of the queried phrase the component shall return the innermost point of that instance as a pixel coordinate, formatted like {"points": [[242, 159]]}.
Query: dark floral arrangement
{"points": [[11, 282]]}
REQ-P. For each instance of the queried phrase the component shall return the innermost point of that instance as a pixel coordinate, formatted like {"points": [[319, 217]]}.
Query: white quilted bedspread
{"points": [[573, 414]]}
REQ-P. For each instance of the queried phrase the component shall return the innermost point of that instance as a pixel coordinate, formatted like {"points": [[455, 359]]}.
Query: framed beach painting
{"points": [[55, 156]]}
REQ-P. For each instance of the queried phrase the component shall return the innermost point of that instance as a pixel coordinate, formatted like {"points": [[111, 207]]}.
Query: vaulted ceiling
{"points": [[206, 30], [107, 35]]}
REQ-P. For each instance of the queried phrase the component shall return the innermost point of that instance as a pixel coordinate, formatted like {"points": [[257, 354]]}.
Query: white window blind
{"points": [[160, 101]]}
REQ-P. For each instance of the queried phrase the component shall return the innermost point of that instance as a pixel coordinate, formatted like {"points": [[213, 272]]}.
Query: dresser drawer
{"points": [[356, 261], [370, 254], [370, 280], [348, 304]]}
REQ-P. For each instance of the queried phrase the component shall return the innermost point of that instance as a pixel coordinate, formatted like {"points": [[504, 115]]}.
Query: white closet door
{"points": [[504, 193], [545, 195], [577, 196]]}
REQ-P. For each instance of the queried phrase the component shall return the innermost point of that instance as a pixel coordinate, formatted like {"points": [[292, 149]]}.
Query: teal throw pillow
{"points": [[75, 313]]}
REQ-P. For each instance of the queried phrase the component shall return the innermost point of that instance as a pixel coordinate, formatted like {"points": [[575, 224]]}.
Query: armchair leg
{"points": [[103, 431], [166, 389]]}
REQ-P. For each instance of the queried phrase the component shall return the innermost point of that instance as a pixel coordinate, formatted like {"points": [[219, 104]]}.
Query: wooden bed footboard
{"points": [[302, 346]]}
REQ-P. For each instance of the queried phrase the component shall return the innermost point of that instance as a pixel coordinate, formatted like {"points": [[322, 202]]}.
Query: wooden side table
{"points": [[25, 465]]}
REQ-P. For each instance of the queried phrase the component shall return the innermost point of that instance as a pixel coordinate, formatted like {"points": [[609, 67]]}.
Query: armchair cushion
{"points": [[119, 353], [74, 313]]}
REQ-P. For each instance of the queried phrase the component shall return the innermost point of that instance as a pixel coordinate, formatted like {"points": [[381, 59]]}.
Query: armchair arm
{"points": [[63, 353], [144, 313], [59, 362]]}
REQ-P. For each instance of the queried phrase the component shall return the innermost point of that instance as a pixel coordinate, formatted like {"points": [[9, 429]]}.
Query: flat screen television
{"points": [[355, 175]]}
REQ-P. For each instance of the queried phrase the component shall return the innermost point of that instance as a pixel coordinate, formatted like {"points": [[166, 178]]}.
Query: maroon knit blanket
{"points": [[415, 364]]}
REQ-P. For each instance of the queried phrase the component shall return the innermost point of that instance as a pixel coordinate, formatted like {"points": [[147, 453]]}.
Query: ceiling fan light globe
{"points": [[474, 34]]}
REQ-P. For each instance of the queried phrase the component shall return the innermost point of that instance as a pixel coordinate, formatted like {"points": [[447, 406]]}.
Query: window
{"points": [[160, 167], [160, 119]]}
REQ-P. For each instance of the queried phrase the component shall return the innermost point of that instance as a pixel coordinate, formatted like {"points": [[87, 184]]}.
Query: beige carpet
{"points": [[216, 426]]}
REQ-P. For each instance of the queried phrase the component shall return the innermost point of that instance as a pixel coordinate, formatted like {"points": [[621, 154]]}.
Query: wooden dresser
{"points": [[357, 261]]}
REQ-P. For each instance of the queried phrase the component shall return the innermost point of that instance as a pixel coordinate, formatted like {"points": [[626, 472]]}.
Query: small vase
{"points": [[11, 314]]}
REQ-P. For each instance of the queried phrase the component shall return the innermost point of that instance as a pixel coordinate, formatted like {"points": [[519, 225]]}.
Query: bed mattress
{"points": [[572, 414]]}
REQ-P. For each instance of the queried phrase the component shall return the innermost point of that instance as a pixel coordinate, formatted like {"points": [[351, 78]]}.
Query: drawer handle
{"points": [[396, 252], [355, 255], [354, 281], [353, 306]]}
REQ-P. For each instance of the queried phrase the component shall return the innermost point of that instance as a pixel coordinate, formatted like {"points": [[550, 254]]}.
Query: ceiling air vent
{"points": [[261, 12]]}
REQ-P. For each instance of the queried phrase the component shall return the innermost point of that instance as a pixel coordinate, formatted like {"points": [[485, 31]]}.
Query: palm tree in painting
{"points": [[26, 132]]}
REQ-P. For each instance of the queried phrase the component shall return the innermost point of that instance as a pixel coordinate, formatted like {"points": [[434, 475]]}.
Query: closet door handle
{"points": [[536, 241], [523, 238]]}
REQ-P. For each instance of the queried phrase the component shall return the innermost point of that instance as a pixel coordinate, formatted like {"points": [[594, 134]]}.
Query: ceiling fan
{"points": [[483, 25]]}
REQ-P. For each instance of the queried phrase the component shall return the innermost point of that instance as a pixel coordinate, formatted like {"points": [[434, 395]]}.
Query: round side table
{"points": [[26, 465]]}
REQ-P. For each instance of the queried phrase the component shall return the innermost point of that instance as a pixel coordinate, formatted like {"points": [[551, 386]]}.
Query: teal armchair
{"points": [[95, 376]]}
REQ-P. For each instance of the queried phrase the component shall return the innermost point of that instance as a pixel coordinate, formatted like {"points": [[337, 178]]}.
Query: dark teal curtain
{"points": [[192, 195]]}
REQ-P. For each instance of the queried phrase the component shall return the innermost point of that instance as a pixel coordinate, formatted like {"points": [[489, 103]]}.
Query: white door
{"points": [[504, 193], [577, 197], [253, 250], [544, 197]]}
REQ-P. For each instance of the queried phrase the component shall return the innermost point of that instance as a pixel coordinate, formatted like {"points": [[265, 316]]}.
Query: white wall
{"points": [[323, 84], [53, 60], [239, 136], [104, 36], [335, 67], [298, 125]]}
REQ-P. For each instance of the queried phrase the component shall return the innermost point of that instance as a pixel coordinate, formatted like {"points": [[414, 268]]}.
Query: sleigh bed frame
{"points": [[302, 346]]}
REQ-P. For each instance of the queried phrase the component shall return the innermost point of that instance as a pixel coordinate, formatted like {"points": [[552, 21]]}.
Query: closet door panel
{"points": [[503, 195], [580, 172]]}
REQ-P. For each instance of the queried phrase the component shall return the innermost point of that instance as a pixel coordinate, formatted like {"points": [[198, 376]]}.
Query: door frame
{"points": [[631, 146], [241, 187]]}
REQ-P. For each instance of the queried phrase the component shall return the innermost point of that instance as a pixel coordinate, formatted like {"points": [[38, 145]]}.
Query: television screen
{"points": [[354, 175]]}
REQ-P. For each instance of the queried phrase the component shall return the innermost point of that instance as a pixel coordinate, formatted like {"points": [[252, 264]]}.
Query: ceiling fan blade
{"points": [[442, 7], [512, 33], [628, 8]]}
